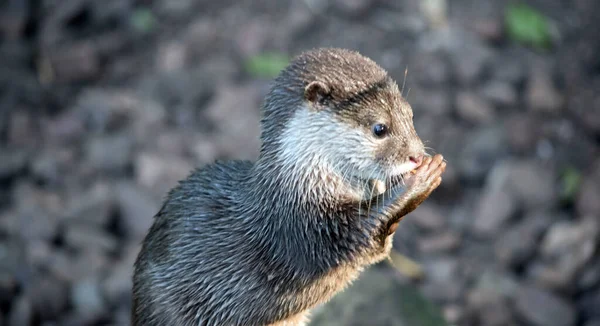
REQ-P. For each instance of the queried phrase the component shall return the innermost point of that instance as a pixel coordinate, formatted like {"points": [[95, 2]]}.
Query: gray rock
{"points": [[378, 299], [595, 322], [498, 282], [86, 298], [73, 267], [428, 217], [137, 209], [232, 112], [21, 313], [352, 7], [529, 181], [109, 153], [548, 277], [160, 172], [474, 109], [480, 152], [74, 62], [437, 102], [441, 269], [541, 94], [522, 132], [500, 93], [496, 207], [454, 314], [49, 297], [430, 69], [489, 307], [443, 292], [587, 202], [81, 236], [506, 69], [93, 206], [567, 247], [13, 161], [543, 308], [116, 288], [589, 303], [436, 243], [470, 59], [519, 243], [590, 276]]}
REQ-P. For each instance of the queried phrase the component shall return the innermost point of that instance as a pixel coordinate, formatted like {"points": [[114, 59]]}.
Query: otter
{"points": [[262, 243]]}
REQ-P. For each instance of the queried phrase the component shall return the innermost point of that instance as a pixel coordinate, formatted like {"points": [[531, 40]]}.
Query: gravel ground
{"points": [[104, 105]]}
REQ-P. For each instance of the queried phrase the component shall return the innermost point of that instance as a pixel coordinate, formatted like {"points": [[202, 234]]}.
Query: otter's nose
{"points": [[416, 159]]}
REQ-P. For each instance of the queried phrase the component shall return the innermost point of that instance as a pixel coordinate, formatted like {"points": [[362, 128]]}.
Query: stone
{"points": [[587, 203], [588, 304], [120, 148], [453, 313], [474, 109], [74, 62], [428, 217], [496, 207], [52, 163], [86, 298], [443, 292], [490, 30], [470, 60], [94, 206], [69, 267], [49, 297], [437, 102], [541, 94], [376, 298], [429, 69], [543, 308], [137, 209], [441, 269], [436, 243], [547, 276], [500, 93], [81, 236], [523, 132], [159, 171], [530, 181], [231, 111], [480, 151], [506, 69], [352, 7], [520, 242], [21, 313], [490, 307], [116, 288], [13, 19], [590, 276], [567, 247], [13, 162]]}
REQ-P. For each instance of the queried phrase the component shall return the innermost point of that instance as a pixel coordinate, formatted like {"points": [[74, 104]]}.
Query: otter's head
{"points": [[337, 108]]}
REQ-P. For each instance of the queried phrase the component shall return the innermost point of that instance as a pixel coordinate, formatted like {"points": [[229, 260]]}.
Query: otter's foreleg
{"points": [[403, 199]]}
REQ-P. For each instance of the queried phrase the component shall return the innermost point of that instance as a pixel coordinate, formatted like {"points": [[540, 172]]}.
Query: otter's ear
{"points": [[315, 92]]}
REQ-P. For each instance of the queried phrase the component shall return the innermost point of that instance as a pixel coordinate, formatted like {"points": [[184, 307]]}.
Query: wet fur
{"points": [[243, 243]]}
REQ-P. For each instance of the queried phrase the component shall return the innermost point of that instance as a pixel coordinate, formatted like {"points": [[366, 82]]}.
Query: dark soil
{"points": [[104, 105]]}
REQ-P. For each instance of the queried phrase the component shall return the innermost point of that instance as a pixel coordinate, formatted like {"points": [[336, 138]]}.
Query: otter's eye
{"points": [[380, 130]]}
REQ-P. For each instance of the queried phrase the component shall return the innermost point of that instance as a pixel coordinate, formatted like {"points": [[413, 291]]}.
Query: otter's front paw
{"points": [[426, 178]]}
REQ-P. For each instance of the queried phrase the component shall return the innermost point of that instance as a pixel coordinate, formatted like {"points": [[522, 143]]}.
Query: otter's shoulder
{"points": [[208, 187]]}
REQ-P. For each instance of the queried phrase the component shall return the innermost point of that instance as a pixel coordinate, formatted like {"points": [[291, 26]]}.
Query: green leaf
{"points": [[267, 64], [528, 26], [570, 183], [143, 20]]}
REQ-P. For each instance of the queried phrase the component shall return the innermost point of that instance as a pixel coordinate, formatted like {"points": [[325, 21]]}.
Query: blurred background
{"points": [[105, 105]]}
